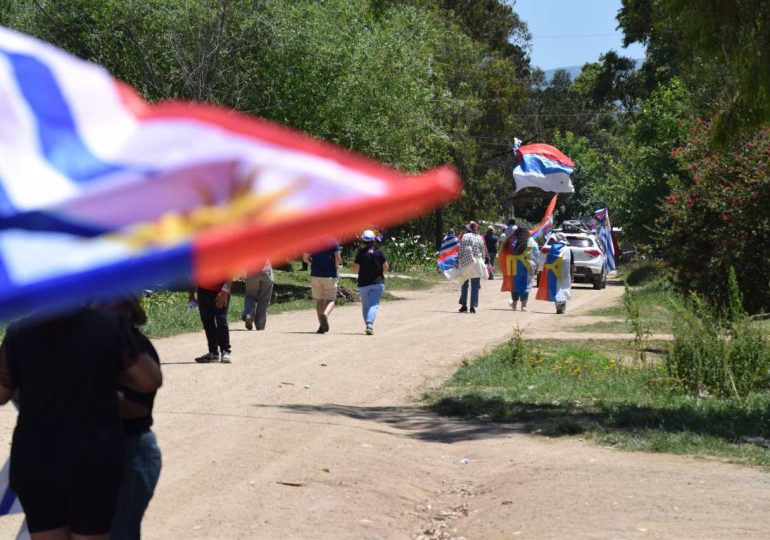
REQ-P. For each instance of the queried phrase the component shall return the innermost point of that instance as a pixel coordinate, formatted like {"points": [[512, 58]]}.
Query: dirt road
{"points": [[320, 436]]}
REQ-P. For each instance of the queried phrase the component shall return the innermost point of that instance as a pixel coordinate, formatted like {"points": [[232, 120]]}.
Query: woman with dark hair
{"points": [[142, 462], [523, 265], [68, 445], [371, 266]]}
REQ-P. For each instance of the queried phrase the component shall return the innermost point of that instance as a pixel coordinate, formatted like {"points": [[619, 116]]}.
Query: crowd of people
{"points": [[84, 459], [477, 255]]}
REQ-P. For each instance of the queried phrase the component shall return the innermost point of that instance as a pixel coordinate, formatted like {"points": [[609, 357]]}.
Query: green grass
{"points": [[655, 307], [587, 388]]}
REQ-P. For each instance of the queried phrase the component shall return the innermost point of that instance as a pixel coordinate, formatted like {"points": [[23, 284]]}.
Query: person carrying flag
{"points": [[522, 266], [471, 262], [556, 278]]}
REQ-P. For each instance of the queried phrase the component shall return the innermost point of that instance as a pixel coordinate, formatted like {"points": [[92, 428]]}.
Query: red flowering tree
{"points": [[718, 216]]}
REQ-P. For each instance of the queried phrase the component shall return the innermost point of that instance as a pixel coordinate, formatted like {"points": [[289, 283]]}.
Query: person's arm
{"points": [[385, 267], [337, 258], [130, 410], [143, 374], [306, 258], [221, 299]]}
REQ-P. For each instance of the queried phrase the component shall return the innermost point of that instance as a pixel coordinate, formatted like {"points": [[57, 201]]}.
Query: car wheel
{"points": [[599, 280]]}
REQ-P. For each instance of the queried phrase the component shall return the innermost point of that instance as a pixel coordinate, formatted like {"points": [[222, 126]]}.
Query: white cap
{"points": [[368, 236]]}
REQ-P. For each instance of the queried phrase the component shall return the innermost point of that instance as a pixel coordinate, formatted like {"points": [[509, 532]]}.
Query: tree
{"points": [[716, 218]]}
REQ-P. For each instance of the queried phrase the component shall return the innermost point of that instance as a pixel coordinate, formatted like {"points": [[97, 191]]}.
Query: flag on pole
{"points": [[604, 232], [546, 224], [543, 166], [101, 192], [506, 258]]}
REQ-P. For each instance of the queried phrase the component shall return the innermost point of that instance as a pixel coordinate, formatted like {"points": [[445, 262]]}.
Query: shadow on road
{"points": [[414, 422]]}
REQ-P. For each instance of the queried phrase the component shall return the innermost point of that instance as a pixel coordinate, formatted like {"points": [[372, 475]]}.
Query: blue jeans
{"points": [[523, 296], [475, 286], [141, 470], [370, 301]]}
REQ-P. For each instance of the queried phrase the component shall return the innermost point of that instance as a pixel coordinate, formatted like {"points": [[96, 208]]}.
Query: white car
{"points": [[588, 256]]}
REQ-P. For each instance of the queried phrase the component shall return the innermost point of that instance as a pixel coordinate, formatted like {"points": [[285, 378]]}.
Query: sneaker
{"points": [[561, 308], [208, 358], [463, 309], [473, 310], [512, 304], [369, 330], [320, 330], [524, 308], [249, 322], [226, 358], [324, 323]]}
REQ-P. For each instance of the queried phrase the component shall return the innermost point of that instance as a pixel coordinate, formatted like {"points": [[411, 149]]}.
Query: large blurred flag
{"points": [[101, 192], [542, 166], [604, 231]]}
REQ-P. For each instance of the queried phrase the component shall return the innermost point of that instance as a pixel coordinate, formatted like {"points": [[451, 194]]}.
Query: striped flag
{"points": [[604, 231], [546, 224], [447, 255], [543, 166], [101, 192]]}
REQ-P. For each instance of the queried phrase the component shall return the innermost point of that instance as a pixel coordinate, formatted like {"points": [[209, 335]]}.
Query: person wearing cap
{"points": [[471, 261], [371, 265], [490, 239]]}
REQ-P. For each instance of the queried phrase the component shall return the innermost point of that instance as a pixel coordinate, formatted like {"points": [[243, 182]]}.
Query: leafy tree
{"points": [[716, 218]]}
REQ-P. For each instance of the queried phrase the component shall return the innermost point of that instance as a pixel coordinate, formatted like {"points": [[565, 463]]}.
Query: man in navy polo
{"points": [[324, 281]]}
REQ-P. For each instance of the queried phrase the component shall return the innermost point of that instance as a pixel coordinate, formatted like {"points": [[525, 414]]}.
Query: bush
{"points": [[410, 253], [716, 217], [719, 351]]}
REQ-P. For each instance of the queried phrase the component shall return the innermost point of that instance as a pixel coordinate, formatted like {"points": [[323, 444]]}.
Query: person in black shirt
{"points": [[142, 462], [68, 445], [370, 265]]}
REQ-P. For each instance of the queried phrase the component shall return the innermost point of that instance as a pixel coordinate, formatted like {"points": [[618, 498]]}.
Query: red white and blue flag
{"points": [[447, 254], [546, 224], [544, 167], [101, 192]]}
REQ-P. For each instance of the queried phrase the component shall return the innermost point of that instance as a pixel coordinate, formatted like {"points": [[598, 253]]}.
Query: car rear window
{"points": [[580, 242]]}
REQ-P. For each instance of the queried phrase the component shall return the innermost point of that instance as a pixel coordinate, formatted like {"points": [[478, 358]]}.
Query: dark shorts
{"points": [[86, 508]]}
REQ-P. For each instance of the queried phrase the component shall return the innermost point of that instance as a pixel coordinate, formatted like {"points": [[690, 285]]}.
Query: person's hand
{"points": [[221, 300]]}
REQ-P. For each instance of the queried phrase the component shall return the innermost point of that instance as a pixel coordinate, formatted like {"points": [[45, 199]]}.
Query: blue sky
{"points": [[572, 32]]}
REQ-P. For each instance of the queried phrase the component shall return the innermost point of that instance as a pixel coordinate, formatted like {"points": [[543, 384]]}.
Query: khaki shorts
{"points": [[323, 288]]}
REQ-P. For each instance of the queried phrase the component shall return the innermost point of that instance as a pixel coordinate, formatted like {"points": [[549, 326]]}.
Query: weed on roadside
{"points": [[559, 389]]}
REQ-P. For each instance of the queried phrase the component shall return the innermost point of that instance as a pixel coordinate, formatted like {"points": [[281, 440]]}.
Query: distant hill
{"points": [[574, 71]]}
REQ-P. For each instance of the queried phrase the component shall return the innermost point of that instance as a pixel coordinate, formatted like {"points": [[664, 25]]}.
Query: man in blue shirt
{"points": [[323, 281]]}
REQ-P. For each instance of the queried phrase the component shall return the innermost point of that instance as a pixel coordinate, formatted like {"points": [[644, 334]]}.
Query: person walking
{"points": [[371, 265], [490, 239], [324, 283], [471, 262], [556, 278], [142, 462], [523, 264], [68, 445], [259, 291], [213, 304]]}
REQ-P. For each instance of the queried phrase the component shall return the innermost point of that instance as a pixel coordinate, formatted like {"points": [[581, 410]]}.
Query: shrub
{"points": [[719, 351], [411, 252], [716, 217]]}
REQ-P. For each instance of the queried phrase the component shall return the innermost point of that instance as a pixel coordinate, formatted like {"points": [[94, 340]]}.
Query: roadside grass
{"points": [[167, 312], [591, 389]]}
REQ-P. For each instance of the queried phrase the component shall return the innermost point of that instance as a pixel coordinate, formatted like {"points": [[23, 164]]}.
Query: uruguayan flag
{"points": [[102, 192]]}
